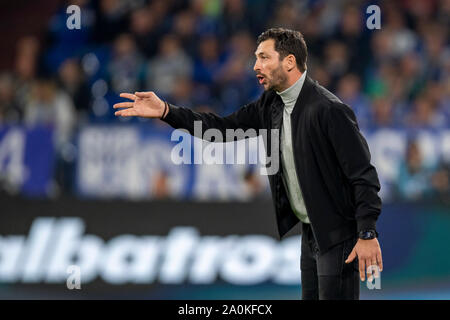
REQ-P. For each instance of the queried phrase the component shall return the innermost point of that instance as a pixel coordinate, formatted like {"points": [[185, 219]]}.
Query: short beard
{"points": [[279, 79]]}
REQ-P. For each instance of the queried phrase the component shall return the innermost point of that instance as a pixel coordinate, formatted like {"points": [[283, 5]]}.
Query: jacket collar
{"points": [[302, 99]]}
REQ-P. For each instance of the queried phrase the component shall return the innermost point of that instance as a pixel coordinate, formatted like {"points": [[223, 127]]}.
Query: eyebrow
{"points": [[260, 53]]}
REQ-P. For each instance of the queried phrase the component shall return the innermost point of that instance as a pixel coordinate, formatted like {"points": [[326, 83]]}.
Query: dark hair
{"points": [[287, 42]]}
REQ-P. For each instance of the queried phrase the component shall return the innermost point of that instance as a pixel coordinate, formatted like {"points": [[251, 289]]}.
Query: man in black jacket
{"points": [[325, 180]]}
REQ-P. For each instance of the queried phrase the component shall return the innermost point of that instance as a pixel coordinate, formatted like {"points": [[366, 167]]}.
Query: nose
{"points": [[256, 66]]}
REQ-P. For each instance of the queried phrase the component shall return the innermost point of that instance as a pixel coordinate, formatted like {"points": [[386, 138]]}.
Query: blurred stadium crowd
{"points": [[200, 54]]}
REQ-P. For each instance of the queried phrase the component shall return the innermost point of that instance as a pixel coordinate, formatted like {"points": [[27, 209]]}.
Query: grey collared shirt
{"points": [[290, 180]]}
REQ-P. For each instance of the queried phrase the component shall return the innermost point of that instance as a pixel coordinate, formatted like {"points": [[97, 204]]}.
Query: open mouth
{"points": [[261, 79]]}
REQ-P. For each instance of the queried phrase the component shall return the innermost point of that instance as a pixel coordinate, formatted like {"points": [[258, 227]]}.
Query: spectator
{"points": [[286, 15], [183, 92], [410, 77], [71, 79], [209, 61], [382, 113], [110, 20], [49, 106], [425, 114], [403, 39], [254, 188], [10, 111], [414, 179], [234, 17], [126, 67], [170, 64], [236, 78], [184, 26], [349, 91], [433, 52], [320, 74], [160, 185], [337, 62], [350, 33], [145, 28], [440, 182], [26, 68]]}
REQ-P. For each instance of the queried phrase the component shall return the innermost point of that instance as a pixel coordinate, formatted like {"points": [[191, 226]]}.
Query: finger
{"points": [[370, 267], [380, 261], [351, 257], [369, 270], [362, 268], [126, 113], [123, 105], [147, 94], [373, 261], [128, 96], [376, 268]]}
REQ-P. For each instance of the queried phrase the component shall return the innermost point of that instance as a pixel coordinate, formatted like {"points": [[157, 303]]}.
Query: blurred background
{"points": [[80, 186]]}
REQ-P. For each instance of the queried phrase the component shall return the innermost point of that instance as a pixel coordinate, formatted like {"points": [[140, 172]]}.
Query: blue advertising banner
{"points": [[26, 159], [141, 162], [138, 163]]}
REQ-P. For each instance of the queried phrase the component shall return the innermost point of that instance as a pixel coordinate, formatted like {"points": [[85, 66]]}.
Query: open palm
{"points": [[145, 104]]}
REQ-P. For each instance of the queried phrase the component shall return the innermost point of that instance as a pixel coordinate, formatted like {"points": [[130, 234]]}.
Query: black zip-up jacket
{"points": [[332, 159]]}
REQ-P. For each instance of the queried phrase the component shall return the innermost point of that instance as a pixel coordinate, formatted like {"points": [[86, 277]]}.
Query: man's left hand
{"points": [[369, 254]]}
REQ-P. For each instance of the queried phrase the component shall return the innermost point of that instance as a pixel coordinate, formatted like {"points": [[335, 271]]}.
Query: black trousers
{"points": [[326, 276]]}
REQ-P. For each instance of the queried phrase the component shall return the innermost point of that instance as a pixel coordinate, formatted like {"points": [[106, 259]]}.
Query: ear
{"points": [[290, 62]]}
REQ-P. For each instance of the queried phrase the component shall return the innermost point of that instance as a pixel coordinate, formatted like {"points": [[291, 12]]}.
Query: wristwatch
{"points": [[368, 234]]}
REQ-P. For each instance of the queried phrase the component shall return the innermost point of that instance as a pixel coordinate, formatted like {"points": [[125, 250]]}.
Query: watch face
{"points": [[367, 235]]}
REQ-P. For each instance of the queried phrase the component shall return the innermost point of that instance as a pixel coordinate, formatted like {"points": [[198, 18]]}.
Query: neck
{"points": [[292, 77]]}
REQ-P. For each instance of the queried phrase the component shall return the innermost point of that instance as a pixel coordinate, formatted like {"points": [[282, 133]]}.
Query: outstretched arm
{"points": [[149, 105]]}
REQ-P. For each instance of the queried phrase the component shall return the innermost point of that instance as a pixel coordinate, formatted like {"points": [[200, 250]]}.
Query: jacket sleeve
{"points": [[353, 156], [247, 117]]}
